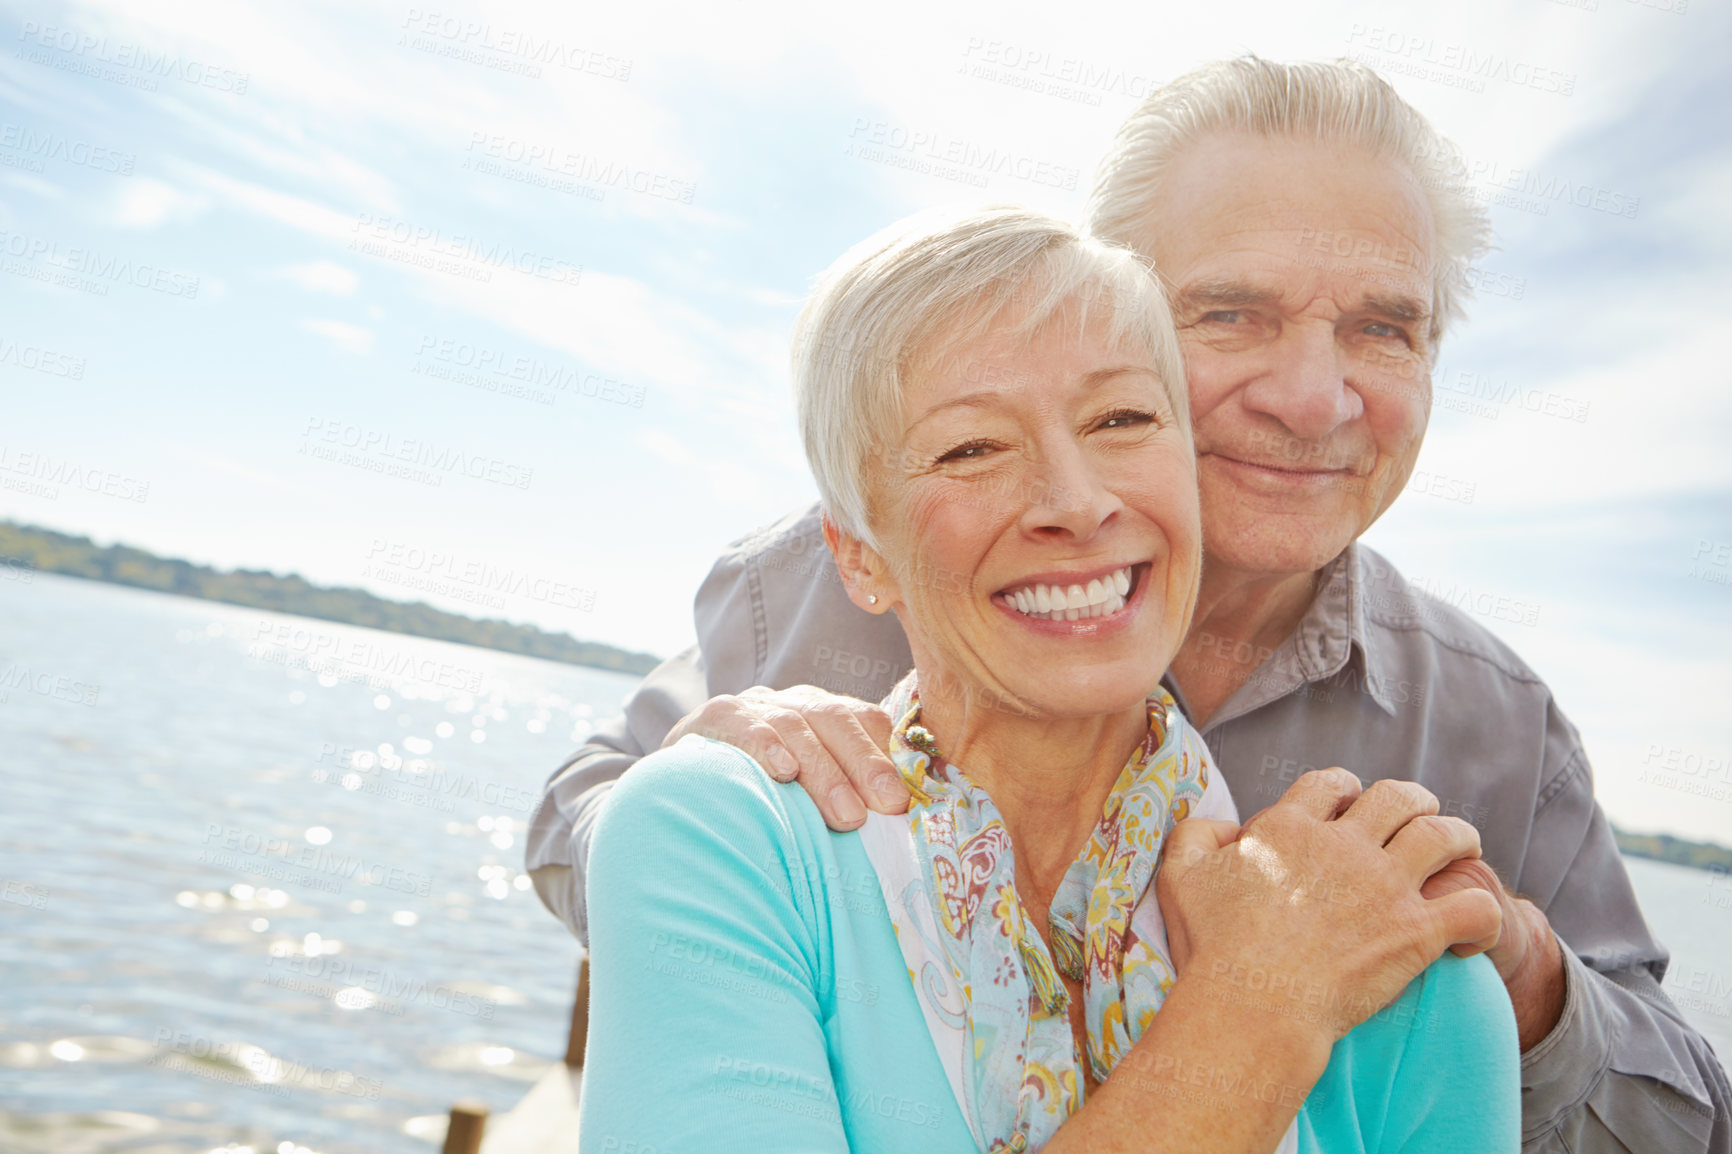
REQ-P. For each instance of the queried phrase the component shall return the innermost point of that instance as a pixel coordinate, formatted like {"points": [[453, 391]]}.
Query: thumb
{"points": [[1466, 922], [1196, 838]]}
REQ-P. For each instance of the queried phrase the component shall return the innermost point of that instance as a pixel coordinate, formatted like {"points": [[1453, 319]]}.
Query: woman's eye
{"points": [[1126, 419], [972, 451]]}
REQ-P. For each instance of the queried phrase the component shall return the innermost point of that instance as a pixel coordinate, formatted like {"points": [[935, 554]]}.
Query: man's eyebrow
{"points": [[1397, 307], [1224, 293], [1231, 294]]}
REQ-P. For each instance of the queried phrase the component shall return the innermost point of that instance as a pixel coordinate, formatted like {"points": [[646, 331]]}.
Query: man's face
{"points": [[1301, 274]]}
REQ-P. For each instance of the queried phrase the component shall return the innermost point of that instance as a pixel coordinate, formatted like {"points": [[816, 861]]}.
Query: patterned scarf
{"points": [[989, 986]]}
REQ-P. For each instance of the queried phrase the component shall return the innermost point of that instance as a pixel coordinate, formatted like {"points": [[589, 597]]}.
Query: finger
{"points": [[819, 775], [1386, 806], [1467, 922], [737, 721], [1428, 843], [856, 737], [1322, 793], [1465, 874], [798, 697], [1195, 838], [761, 742]]}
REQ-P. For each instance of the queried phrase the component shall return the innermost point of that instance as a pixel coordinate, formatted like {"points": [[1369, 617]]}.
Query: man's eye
{"points": [[972, 451], [1225, 316], [1379, 329]]}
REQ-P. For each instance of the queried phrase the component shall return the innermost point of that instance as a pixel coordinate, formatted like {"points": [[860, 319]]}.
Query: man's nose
{"points": [[1305, 386]]}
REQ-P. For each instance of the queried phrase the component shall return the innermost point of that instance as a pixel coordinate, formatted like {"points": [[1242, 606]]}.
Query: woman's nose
{"points": [[1066, 495]]}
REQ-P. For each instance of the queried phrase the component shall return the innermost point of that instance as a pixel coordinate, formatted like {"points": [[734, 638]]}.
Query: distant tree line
{"points": [[53, 552], [1664, 847]]}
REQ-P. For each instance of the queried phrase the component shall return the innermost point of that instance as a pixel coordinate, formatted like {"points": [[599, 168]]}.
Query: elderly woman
{"points": [[994, 409]]}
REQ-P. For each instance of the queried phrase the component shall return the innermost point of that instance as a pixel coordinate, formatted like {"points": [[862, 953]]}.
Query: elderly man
{"points": [[1315, 235]]}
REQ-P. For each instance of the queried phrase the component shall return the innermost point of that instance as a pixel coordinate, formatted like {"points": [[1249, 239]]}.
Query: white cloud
{"points": [[323, 276], [294, 211], [664, 447], [147, 203], [349, 338]]}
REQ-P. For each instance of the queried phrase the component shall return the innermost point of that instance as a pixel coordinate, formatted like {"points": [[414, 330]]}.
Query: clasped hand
{"points": [[1324, 905]]}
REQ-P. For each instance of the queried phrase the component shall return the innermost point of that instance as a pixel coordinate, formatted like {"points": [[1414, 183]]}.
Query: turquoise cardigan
{"points": [[748, 995]]}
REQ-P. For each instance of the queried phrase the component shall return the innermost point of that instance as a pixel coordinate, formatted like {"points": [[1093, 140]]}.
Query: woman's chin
{"points": [[1091, 671], [1093, 692]]}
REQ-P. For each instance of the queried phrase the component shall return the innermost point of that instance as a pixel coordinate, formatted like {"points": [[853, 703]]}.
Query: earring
{"points": [[871, 598]]}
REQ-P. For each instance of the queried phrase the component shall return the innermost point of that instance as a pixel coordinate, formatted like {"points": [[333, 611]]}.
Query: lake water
{"points": [[262, 878], [262, 875]]}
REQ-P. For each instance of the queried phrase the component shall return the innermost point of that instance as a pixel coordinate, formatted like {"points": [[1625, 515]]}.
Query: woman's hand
{"points": [[1312, 910]]}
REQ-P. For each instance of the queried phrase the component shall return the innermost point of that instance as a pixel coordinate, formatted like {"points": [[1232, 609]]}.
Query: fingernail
{"points": [[845, 804], [782, 766], [890, 790]]}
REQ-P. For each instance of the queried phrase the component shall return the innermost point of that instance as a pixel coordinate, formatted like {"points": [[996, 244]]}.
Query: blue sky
{"points": [[388, 293]]}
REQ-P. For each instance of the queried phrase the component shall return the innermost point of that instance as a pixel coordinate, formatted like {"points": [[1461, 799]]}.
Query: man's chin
{"points": [[1280, 547]]}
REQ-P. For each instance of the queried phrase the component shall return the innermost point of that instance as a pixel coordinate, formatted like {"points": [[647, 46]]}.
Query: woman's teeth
{"points": [[1099, 598]]}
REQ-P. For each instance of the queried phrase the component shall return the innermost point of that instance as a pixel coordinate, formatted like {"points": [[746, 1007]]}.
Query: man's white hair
{"points": [[1341, 102], [904, 300]]}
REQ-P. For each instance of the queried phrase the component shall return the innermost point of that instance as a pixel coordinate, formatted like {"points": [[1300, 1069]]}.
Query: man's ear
{"points": [[864, 574]]}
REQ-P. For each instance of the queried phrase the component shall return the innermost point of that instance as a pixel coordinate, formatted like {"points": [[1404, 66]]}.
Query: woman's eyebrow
{"points": [[982, 399], [1101, 376], [992, 398]]}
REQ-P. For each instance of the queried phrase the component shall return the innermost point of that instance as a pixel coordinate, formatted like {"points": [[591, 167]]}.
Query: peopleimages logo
{"points": [[346, 443], [409, 243], [434, 569], [225, 846], [100, 56], [369, 987], [44, 146], [41, 360], [480, 365], [83, 261], [52, 471]]}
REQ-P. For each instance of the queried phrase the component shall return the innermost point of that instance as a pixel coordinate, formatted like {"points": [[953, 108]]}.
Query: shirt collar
{"points": [[1333, 639], [1337, 627]]}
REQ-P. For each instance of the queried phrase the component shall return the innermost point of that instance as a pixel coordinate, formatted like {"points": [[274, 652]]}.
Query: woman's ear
{"points": [[864, 574]]}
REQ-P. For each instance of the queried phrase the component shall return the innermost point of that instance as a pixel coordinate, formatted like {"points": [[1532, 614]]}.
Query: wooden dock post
{"points": [[468, 1121], [579, 1035]]}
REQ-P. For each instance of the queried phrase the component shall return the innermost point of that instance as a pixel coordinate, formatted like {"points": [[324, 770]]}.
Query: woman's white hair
{"points": [[1340, 102], [902, 300]]}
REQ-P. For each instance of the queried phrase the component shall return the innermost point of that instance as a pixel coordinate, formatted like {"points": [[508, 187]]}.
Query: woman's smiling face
{"points": [[1038, 521]]}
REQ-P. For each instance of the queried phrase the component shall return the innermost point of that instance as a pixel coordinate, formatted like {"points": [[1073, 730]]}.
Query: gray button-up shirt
{"points": [[1378, 677]]}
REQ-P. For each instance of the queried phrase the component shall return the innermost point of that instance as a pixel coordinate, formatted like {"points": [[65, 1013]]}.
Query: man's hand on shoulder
{"points": [[834, 746], [1527, 955]]}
